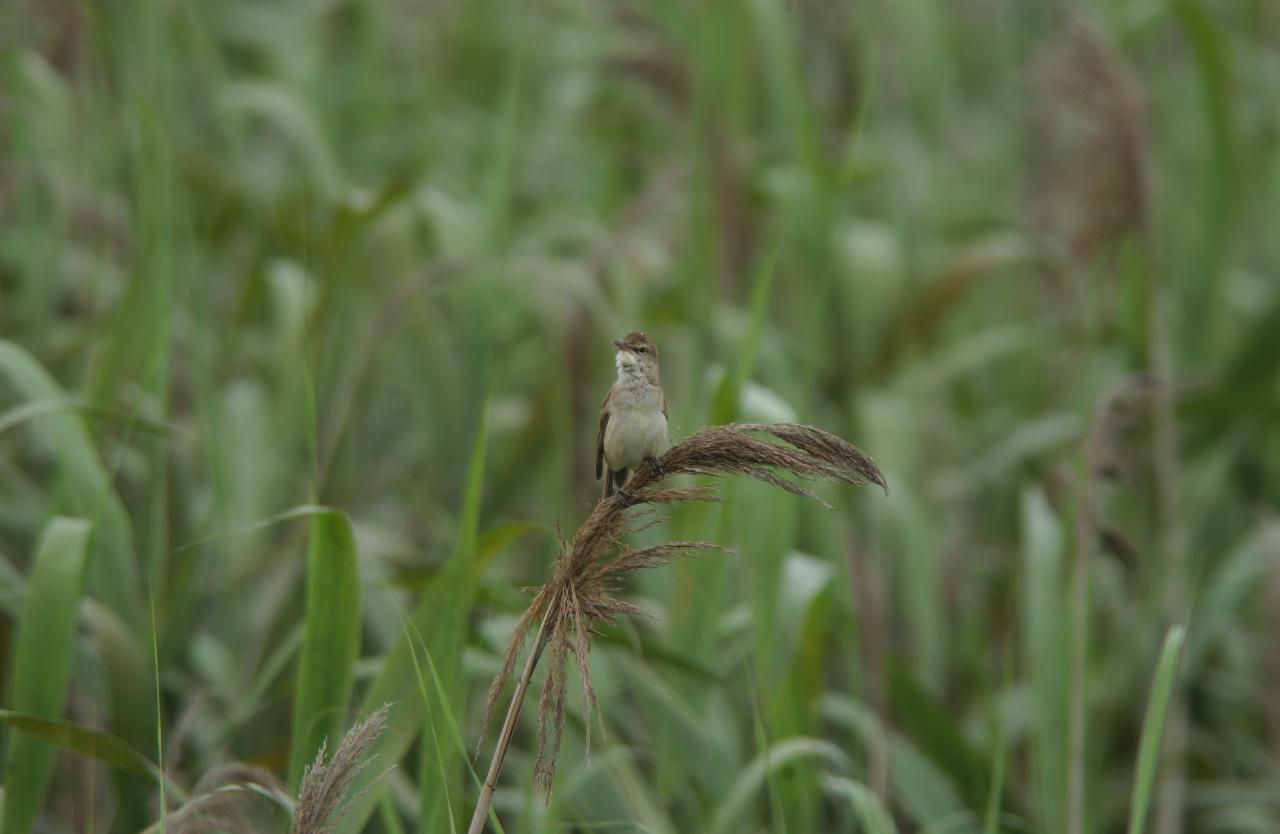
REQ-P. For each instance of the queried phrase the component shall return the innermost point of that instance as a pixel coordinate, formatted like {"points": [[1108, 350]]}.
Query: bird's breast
{"points": [[635, 431]]}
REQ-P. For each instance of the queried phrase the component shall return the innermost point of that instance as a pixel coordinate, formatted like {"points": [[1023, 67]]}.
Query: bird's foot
{"points": [[657, 465], [625, 498]]}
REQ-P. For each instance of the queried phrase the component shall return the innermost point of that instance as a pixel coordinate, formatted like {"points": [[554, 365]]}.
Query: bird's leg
{"points": [[657, 465], [619, 477]]}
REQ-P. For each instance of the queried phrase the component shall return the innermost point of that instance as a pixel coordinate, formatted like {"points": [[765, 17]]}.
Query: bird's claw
{"points": [[624, 497], [657, 465]]}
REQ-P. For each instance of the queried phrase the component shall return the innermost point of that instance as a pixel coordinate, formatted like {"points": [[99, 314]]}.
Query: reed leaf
{"points": [[42, 664], [331, 641]]}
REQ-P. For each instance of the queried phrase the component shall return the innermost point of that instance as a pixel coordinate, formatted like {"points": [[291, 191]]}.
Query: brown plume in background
{"points": [[1090, 178]]}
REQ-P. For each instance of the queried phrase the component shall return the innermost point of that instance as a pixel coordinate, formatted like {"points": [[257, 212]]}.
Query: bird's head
{"points": [[637, 355]]}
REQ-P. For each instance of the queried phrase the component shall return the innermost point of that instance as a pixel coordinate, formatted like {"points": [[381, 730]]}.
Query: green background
{"points": [[261, 259]]}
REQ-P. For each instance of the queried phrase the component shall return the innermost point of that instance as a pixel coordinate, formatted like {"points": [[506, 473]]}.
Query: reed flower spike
{"points": [[581, 591]]}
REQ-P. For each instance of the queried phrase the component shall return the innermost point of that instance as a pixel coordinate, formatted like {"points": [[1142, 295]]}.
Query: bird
{"points": [[633, 416]]}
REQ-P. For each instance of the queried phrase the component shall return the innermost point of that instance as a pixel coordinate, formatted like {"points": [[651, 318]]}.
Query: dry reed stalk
{"points": [[580, 592], [1099, 460], [1170, 533], [1093, 187], [868, 593]]}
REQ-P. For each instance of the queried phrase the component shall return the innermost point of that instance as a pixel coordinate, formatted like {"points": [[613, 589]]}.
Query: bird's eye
{"points": [[641, 350]]}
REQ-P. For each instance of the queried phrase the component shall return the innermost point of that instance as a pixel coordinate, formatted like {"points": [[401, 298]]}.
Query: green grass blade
{"points": [[42, 667], [1045, 643], [431, 726], [449, 713], [127, 668], [155, 661], [95, 744], [388, 816], [872, 816], [112, 572], [13, 588], [33, 411], [441, 619], [272, 667], [1162, 690], [923, 791], [331, 641], [1215, 62], [775, 759], [457, 582]]}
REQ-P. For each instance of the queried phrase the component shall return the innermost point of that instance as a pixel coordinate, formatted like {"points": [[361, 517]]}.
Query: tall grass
{"points": [[306, 312]]}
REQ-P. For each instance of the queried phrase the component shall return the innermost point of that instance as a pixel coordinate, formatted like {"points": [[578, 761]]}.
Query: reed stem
{"points": [[508, 729]]}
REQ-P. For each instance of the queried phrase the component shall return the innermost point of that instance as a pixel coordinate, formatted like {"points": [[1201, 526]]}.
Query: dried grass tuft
{"points": [[325, 784], [236, 798], [587, 575]]}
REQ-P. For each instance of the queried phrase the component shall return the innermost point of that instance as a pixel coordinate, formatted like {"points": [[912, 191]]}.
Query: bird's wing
{"points": [[604, 421]]}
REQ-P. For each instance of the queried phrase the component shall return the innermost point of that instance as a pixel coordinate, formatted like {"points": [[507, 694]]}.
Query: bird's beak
{"points": [[619, 344]]}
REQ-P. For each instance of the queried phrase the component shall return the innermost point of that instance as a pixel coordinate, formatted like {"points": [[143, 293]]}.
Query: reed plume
{"points": [[325, 784], [1091, 161], [581, 591]]}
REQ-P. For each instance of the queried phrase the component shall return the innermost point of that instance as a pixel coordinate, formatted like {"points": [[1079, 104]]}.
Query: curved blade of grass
{"points": [[1162, 690], [223, 804], [112, 570], [613, 786], [872, 816], [34, 409], [299, 511], [919, 786], [330, 642], [435, 738], [412, 633], [292, 117], [103, 747], [42, 666], [748, 786]]}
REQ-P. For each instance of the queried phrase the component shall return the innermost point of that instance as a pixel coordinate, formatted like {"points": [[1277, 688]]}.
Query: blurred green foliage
{"points": [[259, 258]]}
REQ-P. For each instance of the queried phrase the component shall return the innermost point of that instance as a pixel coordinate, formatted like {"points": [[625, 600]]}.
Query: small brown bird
{"points": [[633, 416]]}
